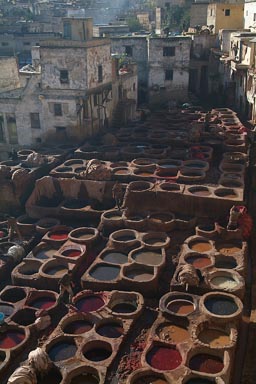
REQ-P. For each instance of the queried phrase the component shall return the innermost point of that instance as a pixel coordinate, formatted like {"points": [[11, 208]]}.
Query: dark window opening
{"points": [[227, 12], [35, 120], [100, 73], [57, 110], [128, 50], [169, 74], [95, 100], [67, 30], [64, 76], [1, 129], [134, 86], [60, 129], [169, 51], [4, 44], [26, 43]]}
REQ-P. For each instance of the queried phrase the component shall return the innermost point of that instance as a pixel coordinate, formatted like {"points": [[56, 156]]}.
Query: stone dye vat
{"points": [[85, 343], [130, 259]]}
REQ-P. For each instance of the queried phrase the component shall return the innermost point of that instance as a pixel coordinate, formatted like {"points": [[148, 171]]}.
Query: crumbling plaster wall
{"points": [[9, 74], [99, 55]]}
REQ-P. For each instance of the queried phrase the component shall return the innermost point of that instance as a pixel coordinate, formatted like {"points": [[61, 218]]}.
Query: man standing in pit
{"points": [[117, 193], [66, 285]]}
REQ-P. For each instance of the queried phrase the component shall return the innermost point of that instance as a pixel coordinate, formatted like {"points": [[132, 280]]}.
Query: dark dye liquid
{"points": [[124, 308], [105, 272], [13, 295], [78, 327], [90, 303], [6, 309], [206, 363], [61, 235], [226, 263], [199, 381], [86, 378], [149, 257], [10, 339], [51, 377], [43, 303], [221, 306], [111, 330], [71, 253], [164, 358], [62, 351], [97, 354], [115, 257]]}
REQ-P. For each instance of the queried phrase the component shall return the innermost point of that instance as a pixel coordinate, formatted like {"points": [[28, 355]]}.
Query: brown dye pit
{"points": [[172, 333], [228, 249], [85, 378], [144, 174], [78, 327], [122, 172], [200, 246], [45, 253], [124, 308], [181, 307], [200, 192], [214, 338], [56, 271], [139, 275], [150, 380], [161, 217], [148, 257], [97, 354], [199, 261], [83, 235], [125, 238]]}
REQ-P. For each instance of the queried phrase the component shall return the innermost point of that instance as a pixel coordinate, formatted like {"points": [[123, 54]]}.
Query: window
{"points": [[4, 44], [60, 129], [241, 81], [227, 12], [169, 51], [57, 109], [67, 30], [128, 50], [95, 100], [134, 87], [211, 13], [100, 74], [35, 120], [168, 74], [254, 17], [64, 76], [12, 128], [1, 128], [26, 43]]}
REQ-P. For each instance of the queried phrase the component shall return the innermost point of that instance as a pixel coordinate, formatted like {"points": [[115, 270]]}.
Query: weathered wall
{"points": [[9, 74], [249, 12], [198, 14], [99, 55]]}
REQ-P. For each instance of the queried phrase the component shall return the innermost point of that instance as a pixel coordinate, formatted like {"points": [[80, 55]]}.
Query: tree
{"points": [[134, 24]]}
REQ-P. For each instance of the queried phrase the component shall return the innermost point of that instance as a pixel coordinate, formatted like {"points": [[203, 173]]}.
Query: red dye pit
{"points": [[42, 303], [206, 363], [11, 339], [164, 358], [89, 303], [61, 235], [71, 253]]}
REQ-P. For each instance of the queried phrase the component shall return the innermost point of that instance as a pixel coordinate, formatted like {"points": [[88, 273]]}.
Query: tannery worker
{"points": [[43, 320], [117, 193], [234, 215], [13, 229], [66, 285]]}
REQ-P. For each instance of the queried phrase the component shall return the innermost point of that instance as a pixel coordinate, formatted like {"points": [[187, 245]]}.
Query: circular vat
{"points": [[161, 217], [210, 227], [75, 203], [231, 183], [43, 251], [128, 236], [112, 329], [24, 316], [225, 193], [156, 240], [198, 260], [139, 272], [177, 304], [119, 164], [143, 163], [199, 191], [72, 251], [228, 249], [97, 351], [123, 306], [169, 163], [84, 375], [140, 186], [148, 377], [115, 257], [214, 336], [206, 363], [77, 326], [59, 234], [164, 357], [25, 152], [63, 169], [83, 234], [89, 302], [6, 309], [80, 169], [29, 267], [26, 220], [172, 333], [52, 376], [225, 262], [196, 164], [200, 245], [42, 300], [54, 268], [147, 257], [113, 214], [104, 272], [169, 187], [12, 337], [121, 171], [46, 224], [62, 349], [73, 162], [226, 280], [221, 305], [13, 295]]}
